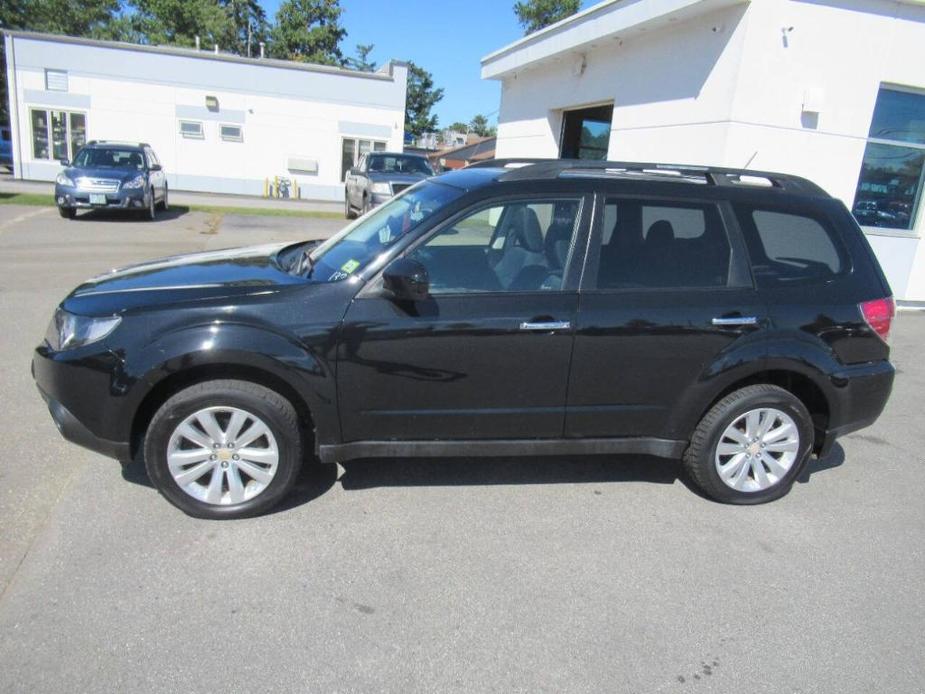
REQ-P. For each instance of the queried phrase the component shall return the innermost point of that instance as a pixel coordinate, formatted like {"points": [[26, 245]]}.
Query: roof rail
{"points": [[532, 169]]}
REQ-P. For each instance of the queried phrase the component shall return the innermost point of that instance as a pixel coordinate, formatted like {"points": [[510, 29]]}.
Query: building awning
{"points": [[607, 20]]}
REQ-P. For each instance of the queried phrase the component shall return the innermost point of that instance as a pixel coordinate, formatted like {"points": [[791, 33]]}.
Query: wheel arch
{"points": [[798, 383], [175, 382]]}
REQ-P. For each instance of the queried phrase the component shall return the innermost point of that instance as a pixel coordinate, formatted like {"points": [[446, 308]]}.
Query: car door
{"points": [[486, 355], [667, 293], [157, 178]]}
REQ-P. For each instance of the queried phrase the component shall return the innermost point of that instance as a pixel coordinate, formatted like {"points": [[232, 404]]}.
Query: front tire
{"points": [[151, 212], [67, 212], [348, 210], [224, 449], [751, 446]]}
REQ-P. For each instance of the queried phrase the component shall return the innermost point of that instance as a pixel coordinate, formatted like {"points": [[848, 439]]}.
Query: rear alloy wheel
{"points": [[751, 446], [224, 449]]}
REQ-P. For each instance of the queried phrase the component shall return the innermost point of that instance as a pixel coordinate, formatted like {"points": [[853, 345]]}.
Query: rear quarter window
{"points": [[789, 247]]}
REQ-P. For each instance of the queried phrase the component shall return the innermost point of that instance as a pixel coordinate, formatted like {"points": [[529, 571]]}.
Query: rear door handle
{"points": [[546, 325], [736, 320]]}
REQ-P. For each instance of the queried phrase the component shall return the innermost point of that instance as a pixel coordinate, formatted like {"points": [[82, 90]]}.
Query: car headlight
{"points": [[137, 182], [383, 188], [63, 180], [68, 330]]}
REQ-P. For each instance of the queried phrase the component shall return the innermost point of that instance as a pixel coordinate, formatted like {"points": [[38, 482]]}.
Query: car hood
{"points": [[387, 177], [191, 277], [123, 175]]}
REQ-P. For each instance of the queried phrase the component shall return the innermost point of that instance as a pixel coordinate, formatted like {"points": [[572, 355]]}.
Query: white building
{"points": [[833, 90], [218, 123]]}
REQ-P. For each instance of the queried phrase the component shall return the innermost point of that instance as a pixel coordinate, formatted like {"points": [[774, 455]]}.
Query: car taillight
{"points": [[879, 315]]}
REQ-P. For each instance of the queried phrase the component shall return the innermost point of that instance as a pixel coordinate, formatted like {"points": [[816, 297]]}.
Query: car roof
{"points": [[398, 154], [99, 144], [510, 170]]}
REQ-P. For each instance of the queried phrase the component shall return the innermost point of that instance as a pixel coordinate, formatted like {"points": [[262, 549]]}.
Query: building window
{"points": [[57, 134], [351, 151], [586, 133], [191, 129], [56, 80], [232, 133], [890, 184]]}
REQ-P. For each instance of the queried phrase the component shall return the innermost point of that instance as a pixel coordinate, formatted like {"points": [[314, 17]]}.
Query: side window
{"points": [[789, 247], [514, 247], [662, 245]]}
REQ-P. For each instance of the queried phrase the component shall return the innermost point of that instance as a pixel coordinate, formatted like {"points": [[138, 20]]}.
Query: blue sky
{"points": [[446, 37]]}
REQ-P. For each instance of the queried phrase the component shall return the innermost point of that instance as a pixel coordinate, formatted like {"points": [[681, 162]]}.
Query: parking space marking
{"points": [[22, 218]]}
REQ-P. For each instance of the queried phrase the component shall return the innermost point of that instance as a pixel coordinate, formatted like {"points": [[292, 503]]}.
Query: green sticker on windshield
{"points": [[350, 266]]}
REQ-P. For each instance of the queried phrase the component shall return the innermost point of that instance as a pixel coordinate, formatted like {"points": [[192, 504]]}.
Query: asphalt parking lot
{"points": [[510, 575]]}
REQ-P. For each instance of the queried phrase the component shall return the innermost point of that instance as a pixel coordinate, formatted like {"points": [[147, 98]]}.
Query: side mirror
{"points": [[65, 162], [157, 167], [406, 280]]}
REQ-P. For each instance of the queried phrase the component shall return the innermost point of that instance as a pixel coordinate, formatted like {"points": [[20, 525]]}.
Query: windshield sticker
{"points": [[350, 266]]}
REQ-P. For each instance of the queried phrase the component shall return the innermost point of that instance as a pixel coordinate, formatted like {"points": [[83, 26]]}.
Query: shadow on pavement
{"points": [[315, 479], [173, 212], [816, 465]]}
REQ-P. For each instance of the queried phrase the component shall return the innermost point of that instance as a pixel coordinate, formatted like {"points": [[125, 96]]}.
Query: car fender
{"points": [[238, 346]]}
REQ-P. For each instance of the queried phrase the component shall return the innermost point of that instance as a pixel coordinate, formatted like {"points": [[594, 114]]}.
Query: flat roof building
{"points": [[833, 90], [219, 123]]}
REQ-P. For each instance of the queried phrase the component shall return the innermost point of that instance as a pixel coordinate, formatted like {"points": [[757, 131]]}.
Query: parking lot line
{"points": [[22, 218]]}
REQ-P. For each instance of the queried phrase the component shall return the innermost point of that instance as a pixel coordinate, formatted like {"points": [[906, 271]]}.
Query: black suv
{"points": [[735, 319], [112, 175]]}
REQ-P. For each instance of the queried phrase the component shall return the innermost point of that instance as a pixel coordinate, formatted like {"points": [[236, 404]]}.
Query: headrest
{"points": [[528, 232], [557, 243], [661, 233]]}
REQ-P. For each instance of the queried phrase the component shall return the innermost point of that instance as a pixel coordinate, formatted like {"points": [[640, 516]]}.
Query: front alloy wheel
{"points": [[222, 455], [224, 449]]}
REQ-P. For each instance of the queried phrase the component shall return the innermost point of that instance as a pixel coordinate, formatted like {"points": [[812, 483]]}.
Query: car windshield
{"points": [[361, 242], [393, 163], [110, 158]]}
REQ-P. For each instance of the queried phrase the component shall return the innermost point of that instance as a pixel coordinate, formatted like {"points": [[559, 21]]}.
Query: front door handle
{"points": [[736, 320], [546, 326]]}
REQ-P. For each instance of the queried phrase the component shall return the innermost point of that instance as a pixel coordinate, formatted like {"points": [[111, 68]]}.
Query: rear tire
{"points": [[67, 212], [247, 485], [164, 204], [751, 446]]}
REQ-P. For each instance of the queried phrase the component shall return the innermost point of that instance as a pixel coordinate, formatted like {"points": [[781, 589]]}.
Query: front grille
{"points": [[97, 185], [399, 187]]}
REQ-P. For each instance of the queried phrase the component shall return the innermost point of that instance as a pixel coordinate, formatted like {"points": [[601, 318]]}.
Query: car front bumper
{"points": [[124, 198], [77, 393]]}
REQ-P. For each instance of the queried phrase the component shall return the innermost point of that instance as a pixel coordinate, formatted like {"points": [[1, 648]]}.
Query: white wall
{"points": [[137, 96], [727, 88]]}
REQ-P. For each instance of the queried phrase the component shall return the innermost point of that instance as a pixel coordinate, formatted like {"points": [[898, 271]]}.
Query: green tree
{"points": [[533, 15], [308, 30], [250, 25], [421, 97], [179, 22], [361, 61], [479, 125], [459, 127], [91, 18]]}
